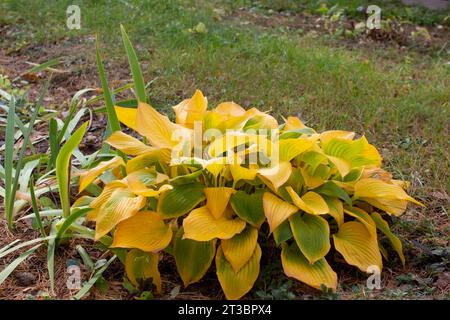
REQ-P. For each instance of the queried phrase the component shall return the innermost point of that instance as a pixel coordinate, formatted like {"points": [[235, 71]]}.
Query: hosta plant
{"points": [[216, 184]]}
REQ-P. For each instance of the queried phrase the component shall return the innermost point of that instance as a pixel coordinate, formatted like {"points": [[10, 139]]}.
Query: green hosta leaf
{"points": [[180, 200], [249, 207], [312, 235], [193, 258], [237, 284], [383, 226], [63, 167], [142, 266], [297, 266], [283, 233], [186, 178], [329, 188]]}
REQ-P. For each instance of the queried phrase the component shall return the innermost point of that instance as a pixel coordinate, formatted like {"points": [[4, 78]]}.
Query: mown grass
{"points": [[401, 104]]}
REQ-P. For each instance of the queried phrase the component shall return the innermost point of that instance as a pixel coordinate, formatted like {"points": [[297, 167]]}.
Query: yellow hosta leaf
{"points": [[358, 247], [311, 181], [290, 148], [342, 165], [149, 159], [239, 249], [261, 121], [140, 266], [215, 166], [293, 123], [158, 129], [231, 140], [192, 109], [237, 284], [241, 173], [230, 109], [200, 225], [120, 206], [276, 210], [145, 230], [347, 154], [383, 226], [312, 235], [362, 217], [295, 265], [127, 144], [140, 180], [104, 197], [217, 200], [328, 135], [374, 188], [391, 206], [127, 116], [310, 202], [277, 174], [391, 198], [87, 177]]}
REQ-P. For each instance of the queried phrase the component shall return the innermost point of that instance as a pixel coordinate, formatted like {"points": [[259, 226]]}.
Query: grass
{"points": [[390, 9], [399, 99]]}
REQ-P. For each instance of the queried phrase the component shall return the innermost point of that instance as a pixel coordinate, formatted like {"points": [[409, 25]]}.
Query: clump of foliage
{"points": [[213, 204], [213, 197]]}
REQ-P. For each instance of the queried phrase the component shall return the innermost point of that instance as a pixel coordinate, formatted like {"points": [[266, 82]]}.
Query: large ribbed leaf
{"points": [[127, 144], [180, 200], [239, 249], [237, 284], [310, 202], [358, 246], [193, 258], [329, 188], [217, 199], [312, 235], [295, 265], [145, 230], [276, 210], [201, 225], [283, 233], [249, 207]]}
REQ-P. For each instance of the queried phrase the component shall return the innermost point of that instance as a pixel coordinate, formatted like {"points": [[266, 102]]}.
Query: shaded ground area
{"points": [[390, 84]]}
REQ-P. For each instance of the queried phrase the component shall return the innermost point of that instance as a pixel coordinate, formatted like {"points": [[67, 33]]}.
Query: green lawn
{"points": [[398, 98]]}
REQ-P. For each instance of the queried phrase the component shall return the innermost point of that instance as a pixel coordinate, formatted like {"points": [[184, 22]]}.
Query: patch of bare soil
{"points": [[350, 32]]}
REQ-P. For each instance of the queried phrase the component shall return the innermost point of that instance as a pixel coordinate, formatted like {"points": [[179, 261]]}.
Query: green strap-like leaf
{"points": [[93, 280], [10, 268], [135, 68], [63, 170], [113, 121]]}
